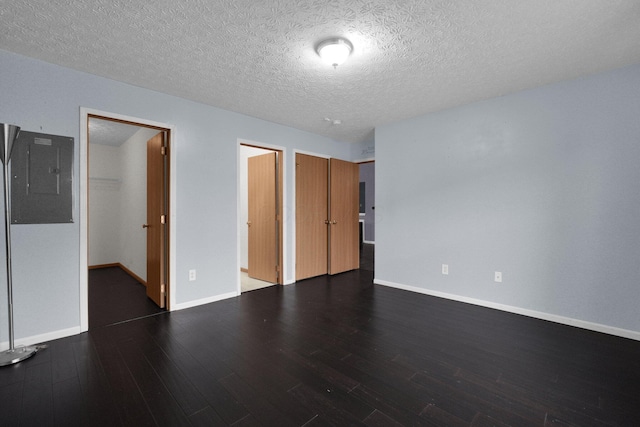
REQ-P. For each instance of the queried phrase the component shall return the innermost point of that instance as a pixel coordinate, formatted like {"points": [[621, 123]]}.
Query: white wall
{"points": [[363, 151], [133, 206], [104, 204], [541, 185], [47, 98]]}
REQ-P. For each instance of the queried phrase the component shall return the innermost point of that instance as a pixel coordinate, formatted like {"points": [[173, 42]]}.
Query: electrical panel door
{"points": [[41, 179]]}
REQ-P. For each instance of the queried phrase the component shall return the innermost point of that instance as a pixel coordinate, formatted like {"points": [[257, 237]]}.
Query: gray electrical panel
{"points": [[42, 178]]}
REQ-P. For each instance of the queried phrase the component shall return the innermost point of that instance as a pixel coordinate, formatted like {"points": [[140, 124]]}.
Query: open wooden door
{"points": [[312, 188], [157, 227], [263, 217], [344, 182]]}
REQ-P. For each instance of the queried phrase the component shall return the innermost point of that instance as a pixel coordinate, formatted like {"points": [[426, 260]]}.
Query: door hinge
{"points": [[163, 151], [162, 289], [163, 219]]}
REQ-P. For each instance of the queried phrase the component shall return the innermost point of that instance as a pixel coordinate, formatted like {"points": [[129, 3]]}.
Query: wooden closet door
{"points": [[344, 245], [156, 221], [311, 216]]}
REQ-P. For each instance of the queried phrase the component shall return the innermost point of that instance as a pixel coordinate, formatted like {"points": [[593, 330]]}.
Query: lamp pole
{"points": [[12, 355]]}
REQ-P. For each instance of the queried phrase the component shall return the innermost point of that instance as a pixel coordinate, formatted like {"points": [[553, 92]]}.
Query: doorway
{"points": [[122, 252], [261, 225], [367, 214]]}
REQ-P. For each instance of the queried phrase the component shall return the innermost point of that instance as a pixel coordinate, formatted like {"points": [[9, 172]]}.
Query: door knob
{"points": [[334, 222], [145, 225]]}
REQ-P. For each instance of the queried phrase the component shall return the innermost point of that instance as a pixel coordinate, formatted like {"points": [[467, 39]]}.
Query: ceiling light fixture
{"points": [[333, 121], [334, 51]]}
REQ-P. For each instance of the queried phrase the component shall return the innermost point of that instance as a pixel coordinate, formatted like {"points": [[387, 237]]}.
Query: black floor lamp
{"points": [[12, 355]]}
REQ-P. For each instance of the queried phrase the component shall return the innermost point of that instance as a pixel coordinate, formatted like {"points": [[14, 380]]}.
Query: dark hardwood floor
{"points": [[367, 251], [115, 296], [328, 351]]}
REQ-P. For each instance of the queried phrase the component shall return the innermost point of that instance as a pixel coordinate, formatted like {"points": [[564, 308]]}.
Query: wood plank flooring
{"points": [[328, 351], [115, 296]]}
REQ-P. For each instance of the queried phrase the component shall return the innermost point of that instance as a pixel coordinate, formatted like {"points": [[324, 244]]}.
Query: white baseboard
{"points": [[203, 301], [611, 330], [37, 339]]}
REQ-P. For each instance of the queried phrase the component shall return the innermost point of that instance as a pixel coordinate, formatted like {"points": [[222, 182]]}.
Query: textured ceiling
{"points": [[107, 132], [258, 58]]}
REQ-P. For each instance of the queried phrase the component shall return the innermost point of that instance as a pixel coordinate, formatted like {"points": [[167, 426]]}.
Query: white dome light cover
{"points": [[334, 51]]}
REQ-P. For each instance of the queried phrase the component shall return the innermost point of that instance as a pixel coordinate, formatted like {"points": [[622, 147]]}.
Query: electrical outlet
{"points": [[497, 276], [192, 275], [445, 268]]}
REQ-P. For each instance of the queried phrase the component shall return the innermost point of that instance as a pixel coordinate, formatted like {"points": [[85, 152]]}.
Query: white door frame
{"points": [[84, 210]]}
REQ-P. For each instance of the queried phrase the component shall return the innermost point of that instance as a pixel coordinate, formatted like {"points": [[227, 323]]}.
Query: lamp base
{"points": [[9, 357]]}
